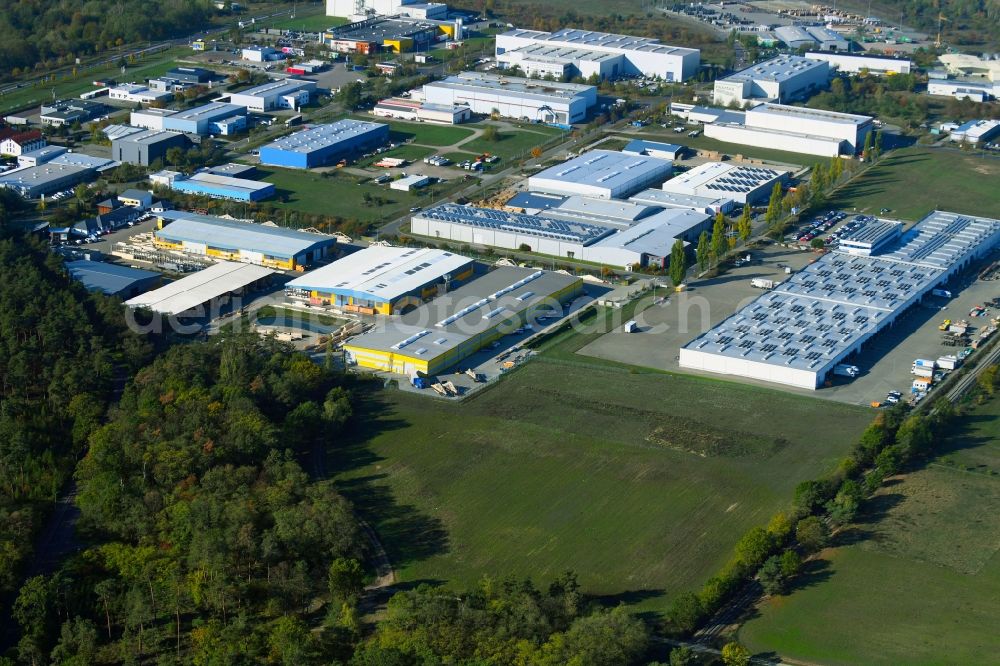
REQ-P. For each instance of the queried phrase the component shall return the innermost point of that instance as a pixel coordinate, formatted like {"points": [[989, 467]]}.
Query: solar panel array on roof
{"points": [[825, 310]]}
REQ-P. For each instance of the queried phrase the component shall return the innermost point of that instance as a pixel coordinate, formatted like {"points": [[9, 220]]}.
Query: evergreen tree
{"points": [[704, 250], [718, 237], [678, 263]]}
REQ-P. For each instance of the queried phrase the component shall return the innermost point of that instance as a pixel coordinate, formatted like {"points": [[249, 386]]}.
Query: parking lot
{"points": [[664, 325]]}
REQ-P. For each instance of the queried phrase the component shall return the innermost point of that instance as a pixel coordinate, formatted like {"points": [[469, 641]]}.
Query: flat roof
{"points": [[381, 28], [275, 88], [611, 210], [816, 316], [780, 68], [603, 168], [107, 278], [228, 182], [555, 53], [382, 273], [656, 234], [149, 136], [44, 152], [210, 110], [85, 161], [789, 111], [132, 193], [118, 131], [234, 169], [725, 178], [193, 290], [40, 175], [592, 39], [537, 200], [640, 146], [233, 235], [324, 136], [535, 88], [539, 226], [872, 233], [448, 321], [654, 197]]}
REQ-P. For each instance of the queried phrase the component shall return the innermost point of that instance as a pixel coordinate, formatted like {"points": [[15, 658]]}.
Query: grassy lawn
{"points": [[919, 582], [153, 66], [639, 481], [343, 194], [914, 181], [512, 144], [435, 136], [315, 23]]}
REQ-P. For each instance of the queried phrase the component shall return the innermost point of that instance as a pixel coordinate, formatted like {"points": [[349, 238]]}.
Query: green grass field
{"points": [[512, 144], [914, 181], [435, 136], [69, 86], [313, 23], [639, 481], [343, 195], [919, 582]]}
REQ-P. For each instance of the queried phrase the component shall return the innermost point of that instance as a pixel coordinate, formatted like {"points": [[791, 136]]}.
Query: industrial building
{"points": [[141, 199], [811, 36], [49, 178], [449, 329], [976, 131], [709, 205], [415, 110], [978, 90], [212, 185], [14, 142], [324, 144], [112, 279], [212, 118], [871, 238], [616, 233], [203, 293], [603, 174], [274, 247], [521, 99], [98, 164], [663, 151], [381, 280], [69, 111], [966, 64], [392, 34], [138, 93], [193, 75], [796, 129], [743, 184], [260, 54], [780, 79], [415, 8], [585, 53], [284, 94], [796, 334], [854, 63], [40, 156], [146, 147]]}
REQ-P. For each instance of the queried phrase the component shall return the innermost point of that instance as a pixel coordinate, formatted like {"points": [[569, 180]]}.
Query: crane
{"points": [[941, 19]]}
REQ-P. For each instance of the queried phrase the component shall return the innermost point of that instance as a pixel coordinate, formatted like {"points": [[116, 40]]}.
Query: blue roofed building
{"points": [[112, 279], [214, 185], [324, 144], [219, 238]]}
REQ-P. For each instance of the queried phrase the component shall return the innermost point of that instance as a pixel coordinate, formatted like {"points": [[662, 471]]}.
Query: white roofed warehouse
{"points": [[452, 327], [530, 99], [780, 79], [585, 53], [323, 144], [796, 129], [742, 184], [274, 247], [796, 334], [603, 174], [381, 280], [200, 294], [284, 94]]}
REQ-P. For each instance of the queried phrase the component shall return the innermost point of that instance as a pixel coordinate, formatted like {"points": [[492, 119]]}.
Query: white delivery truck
{"points": [[631, 326], [943, 293], [762, 283], [949, 362], [846, 370]]}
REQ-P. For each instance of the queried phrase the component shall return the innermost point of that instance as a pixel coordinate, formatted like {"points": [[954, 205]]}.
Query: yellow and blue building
{"points": [[219, 238], [439, 335], [381, 280]]}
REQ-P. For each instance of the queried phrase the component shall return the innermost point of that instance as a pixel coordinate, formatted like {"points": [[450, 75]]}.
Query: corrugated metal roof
{"points": [[233, 235], [194, 290], [108, 278]]}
